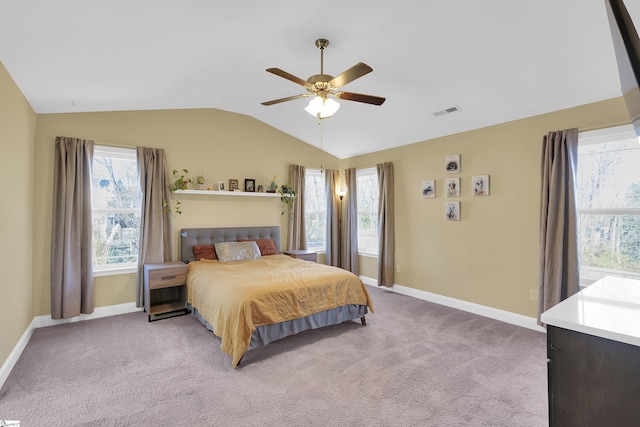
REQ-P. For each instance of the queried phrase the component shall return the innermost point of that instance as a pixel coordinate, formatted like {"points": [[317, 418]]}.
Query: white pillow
{"points": [[237, 251]]}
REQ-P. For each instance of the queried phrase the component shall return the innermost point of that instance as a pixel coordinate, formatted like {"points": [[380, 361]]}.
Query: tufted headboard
{"points": [[189, 237]]}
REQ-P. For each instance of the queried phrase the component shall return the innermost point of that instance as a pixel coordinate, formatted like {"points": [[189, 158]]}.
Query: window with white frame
{"points": [[315, 209], [368, 191], [608, 204], [116, 209]]}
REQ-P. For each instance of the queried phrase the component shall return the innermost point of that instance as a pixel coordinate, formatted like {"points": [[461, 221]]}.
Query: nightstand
{"points": [[165, 289], [303, 254]]}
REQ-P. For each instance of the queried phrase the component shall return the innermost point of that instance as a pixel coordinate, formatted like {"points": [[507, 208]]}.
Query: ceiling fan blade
{"points": [[291, 77], [355, 72], [289, 98], [367, 99]]}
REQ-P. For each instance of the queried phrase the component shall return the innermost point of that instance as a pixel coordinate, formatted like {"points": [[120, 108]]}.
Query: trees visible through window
{"points": [[368, 192], [116, 208], [315, 209], [609, 204]]}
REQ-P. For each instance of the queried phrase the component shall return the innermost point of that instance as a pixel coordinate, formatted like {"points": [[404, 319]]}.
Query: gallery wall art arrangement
{"points": [[479, 186]]}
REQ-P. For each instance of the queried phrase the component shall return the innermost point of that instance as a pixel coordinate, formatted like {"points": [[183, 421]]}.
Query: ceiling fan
{"points": [[322, 86]]}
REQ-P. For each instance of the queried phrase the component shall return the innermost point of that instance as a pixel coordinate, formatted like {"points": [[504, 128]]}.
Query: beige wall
{"points": [[220, 144], [17, 124], [490, 257]]}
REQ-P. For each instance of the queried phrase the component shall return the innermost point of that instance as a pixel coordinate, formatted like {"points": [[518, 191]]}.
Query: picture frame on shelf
{"points": [[220, 186], [233, 185], [260, 188], [452, 187], [452, 211], [452, 164], [250, 185], [428, 189], [480, 185]]}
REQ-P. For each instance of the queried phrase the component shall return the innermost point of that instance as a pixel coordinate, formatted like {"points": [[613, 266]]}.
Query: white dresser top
{"points": [[609, 308]]}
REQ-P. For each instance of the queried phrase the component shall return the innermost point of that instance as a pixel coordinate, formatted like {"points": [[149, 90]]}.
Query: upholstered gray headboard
{"points": [[189, 237]]}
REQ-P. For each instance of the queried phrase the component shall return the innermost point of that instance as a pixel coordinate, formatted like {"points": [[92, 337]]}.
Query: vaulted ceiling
{"points": [[496, 60]]}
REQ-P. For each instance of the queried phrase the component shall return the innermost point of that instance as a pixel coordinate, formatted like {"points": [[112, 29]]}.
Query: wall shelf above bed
{"points": [[227, 193]]}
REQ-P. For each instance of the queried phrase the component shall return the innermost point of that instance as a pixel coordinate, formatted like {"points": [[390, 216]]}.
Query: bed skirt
{"points": [[266, 334]]}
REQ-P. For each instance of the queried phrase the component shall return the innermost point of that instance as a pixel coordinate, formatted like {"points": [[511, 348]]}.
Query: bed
{"points": [[250, 303]]}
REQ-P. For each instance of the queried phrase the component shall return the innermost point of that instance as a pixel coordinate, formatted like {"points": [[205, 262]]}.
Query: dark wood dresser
{"points": [[593, 351]]}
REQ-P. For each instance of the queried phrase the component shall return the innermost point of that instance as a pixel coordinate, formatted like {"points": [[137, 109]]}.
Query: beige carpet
{"points": [[414, 364]]}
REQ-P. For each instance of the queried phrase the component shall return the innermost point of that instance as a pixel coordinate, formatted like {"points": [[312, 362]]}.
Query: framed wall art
{"points": [[452, 164], [480, 185], [452, 187], [428, 189], [452, 211]]}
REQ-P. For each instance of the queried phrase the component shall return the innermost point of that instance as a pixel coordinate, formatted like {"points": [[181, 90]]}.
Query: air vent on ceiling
{"points": [[446, 111]]}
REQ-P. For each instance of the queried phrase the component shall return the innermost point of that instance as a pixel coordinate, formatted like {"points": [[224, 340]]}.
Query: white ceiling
{"points": [[498, 60]]}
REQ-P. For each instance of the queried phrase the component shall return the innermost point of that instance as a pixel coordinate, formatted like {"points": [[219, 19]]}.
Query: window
{"points": [[116, 209], [368, 191], [315, 209], [608, 204]]}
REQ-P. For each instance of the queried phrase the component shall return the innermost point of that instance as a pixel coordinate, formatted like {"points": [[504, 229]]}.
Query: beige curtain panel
{"points": [[349, 230], [71, 232], [386, 230], [156, 230], [332, 185], [297, 236], [558, 254]]}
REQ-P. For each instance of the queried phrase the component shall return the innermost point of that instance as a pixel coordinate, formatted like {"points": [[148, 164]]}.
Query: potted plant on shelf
{"points": [[181, 183], [287, 196]]}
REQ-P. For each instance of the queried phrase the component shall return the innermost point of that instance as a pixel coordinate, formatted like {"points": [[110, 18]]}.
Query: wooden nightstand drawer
{"points": [[167, 277]]}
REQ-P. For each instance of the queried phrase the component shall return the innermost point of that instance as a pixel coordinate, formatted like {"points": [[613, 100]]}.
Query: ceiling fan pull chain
{"points": [[321, 149]]}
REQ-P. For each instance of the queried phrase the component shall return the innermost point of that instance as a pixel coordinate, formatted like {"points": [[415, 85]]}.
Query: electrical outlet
{"points": [[533, 294], [398, 268]]}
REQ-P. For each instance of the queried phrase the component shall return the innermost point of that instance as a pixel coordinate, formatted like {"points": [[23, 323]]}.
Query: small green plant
{"points": [[181, 183], [287, 196], [178, 206]]}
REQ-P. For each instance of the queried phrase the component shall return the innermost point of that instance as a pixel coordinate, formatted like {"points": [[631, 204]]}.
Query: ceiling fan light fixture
{"points": [[322, 107]]}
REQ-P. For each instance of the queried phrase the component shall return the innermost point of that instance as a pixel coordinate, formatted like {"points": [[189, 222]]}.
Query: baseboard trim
{"points": [[44, 321], [481, 310], [11, 361], [106, 311]]}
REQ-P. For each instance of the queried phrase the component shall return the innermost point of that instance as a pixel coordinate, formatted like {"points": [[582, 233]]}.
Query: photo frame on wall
{"points": [[233, 185], [452, 211], [452, 187], [250, 185], [452, 164], [428, 189], [480, 185]]}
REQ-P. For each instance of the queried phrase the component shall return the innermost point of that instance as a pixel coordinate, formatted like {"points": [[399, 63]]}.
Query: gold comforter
{"points": [[235, 297]]}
